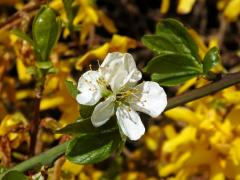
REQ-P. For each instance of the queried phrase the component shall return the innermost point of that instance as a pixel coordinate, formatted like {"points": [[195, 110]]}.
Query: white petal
{"points": [[150, 98], [119, 69], [103, 112], [130, 122], [90, 90]]}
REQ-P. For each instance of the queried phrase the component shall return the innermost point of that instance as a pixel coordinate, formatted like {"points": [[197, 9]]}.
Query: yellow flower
{"points": [[56, 94], [185, 6], [118, 43], [75, 169], [230, 8], [9, 128], [165, 6], [88, 16], [210, 137]]}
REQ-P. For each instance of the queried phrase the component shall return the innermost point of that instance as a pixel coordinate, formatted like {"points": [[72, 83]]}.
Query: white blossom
{"points": [[115, 86]]}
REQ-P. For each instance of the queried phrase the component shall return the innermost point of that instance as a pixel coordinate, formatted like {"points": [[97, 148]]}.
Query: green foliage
{"points": [[86, 111], [93, 148], [13, 175], [23, 36], [71, 88], [176, 29], [2, 169], [211, 59], [170, 69], [176, 59], [85, 126], [46, 30], [44, 64], [71, 11], [91, 144], [165, 43]]}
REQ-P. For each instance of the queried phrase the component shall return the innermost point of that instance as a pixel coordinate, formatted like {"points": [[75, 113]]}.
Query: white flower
{"points": [[115, 82]]}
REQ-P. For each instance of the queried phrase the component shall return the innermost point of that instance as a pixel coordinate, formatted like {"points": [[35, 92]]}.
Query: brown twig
{"points": [[57, 168], [39, 144], [5, 151], [36, 120], [222, 30], [15, 19]]}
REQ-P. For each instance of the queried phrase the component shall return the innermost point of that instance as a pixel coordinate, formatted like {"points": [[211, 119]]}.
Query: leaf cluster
{"points": [[176, 55]]}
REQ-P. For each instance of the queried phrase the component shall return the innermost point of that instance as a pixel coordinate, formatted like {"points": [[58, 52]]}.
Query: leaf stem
{"points": [[48, 157]]}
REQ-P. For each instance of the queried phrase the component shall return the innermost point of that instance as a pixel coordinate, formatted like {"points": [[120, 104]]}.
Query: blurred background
{"points": [[198, 141]]}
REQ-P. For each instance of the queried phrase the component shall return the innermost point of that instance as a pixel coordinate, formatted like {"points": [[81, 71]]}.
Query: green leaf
{"points": [[90, 149], [71, 88], [23, 36], [46, 31], [86, 111], [85, 126], [13, 175], [163, 43], [211, 59], [171, 27], [71, 11], [52, 70], [2, 169], [44, 64], [68, 8], [172, 69], [174, 79]]}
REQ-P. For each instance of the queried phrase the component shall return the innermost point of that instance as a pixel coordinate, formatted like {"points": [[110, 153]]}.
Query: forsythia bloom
{"points": [[115, 81]]}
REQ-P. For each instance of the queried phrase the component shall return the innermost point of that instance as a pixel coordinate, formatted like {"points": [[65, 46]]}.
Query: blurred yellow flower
{"points": [[230, 8], [210, 138], [118, 43], [11, 126], [88, 16], [185, 6]]}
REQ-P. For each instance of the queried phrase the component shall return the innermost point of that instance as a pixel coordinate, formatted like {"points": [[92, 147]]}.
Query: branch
{"points": [[44, 159], [36, 120], [15, 19], [226, 81], [49, 156]]}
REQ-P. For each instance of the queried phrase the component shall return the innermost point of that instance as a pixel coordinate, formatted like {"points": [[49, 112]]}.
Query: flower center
{"points": [[124, 95]]}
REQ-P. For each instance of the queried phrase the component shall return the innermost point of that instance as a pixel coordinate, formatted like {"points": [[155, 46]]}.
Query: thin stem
{"points": [[49, 156], [31, 6], [226, 81], [36, 120]]}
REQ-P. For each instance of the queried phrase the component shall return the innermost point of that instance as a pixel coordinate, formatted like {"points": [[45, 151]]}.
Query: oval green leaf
{"points": [[163, 43], [172, 69], [176, 28], [90, 149], [46, 31], [23, 36], [85, 126], [211, 59]]}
